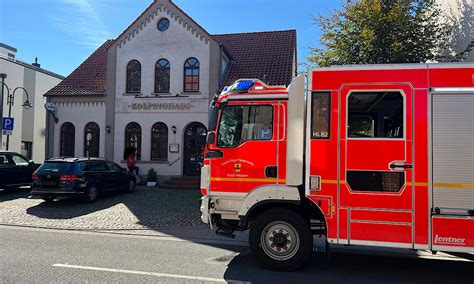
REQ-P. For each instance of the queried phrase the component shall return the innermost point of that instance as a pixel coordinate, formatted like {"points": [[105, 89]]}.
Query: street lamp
{"points": [[11, 101], [3, 76]]}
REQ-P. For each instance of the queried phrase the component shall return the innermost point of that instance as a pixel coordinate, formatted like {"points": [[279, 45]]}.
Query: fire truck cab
{"points": [[377, 155]]}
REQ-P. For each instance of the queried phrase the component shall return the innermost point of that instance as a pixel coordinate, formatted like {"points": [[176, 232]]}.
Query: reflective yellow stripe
{"points": [[332, 181], [453, 185], [443, 184], [417, 183], [271, 180]]}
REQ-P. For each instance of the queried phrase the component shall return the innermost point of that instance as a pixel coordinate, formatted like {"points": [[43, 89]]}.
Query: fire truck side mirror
{"points": [[211, 136]]}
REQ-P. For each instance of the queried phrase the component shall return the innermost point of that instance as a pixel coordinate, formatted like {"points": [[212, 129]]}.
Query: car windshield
{"points": [[55, 167]]}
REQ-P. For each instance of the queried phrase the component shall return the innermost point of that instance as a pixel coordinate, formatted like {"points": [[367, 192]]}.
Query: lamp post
{"points": [[3, 76], [11, 101]]}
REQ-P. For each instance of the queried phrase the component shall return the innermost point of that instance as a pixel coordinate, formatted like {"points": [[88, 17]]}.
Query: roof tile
{"points": [[268, 56], [89, 78]]}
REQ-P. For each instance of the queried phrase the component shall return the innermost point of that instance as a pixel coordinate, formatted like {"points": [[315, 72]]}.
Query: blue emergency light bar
{"points": [[243, 85]]}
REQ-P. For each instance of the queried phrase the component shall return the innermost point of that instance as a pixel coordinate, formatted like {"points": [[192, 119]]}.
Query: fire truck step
{"points": [[226, 234]]}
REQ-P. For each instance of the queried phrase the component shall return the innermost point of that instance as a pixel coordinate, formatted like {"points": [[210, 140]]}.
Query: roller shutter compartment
{"points": [[453, 153]]}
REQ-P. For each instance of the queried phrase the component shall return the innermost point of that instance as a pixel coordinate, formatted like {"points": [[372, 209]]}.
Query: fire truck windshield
{"points": [[243, 123]]}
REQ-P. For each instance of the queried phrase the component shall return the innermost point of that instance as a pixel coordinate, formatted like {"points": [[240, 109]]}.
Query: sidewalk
{"points": [[147, 208]]}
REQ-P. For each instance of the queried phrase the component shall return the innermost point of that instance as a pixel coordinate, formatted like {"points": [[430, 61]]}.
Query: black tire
{"points": [[130, 187], [91, 194], [281, 239], [47, 198]]}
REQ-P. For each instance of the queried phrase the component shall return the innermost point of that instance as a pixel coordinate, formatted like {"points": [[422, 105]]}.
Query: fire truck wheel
{"points": [[281, 240]]}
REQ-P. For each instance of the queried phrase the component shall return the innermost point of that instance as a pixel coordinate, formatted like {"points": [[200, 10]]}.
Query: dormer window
{"points": [[163, 24]]}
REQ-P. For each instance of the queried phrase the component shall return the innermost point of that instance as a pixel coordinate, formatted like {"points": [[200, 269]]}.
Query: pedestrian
{"points": [[131, 159]]}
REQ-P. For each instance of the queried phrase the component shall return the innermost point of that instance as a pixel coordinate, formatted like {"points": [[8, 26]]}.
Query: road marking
{"points": [[166, 275]]}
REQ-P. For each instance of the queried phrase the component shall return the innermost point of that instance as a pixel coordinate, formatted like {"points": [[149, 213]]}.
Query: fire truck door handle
{"points": [[405, 166]]}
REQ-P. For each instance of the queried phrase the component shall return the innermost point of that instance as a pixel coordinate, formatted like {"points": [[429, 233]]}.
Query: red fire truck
{"points": [[379, 155]]}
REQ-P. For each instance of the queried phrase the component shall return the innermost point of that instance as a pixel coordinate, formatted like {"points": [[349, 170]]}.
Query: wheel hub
{"points": [[280, 240]]}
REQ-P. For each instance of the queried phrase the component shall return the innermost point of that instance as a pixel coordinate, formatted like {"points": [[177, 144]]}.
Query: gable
{"points": [[154, 12]]}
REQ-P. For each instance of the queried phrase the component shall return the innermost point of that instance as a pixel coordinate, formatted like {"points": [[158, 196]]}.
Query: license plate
{"points": [[49, 183]]}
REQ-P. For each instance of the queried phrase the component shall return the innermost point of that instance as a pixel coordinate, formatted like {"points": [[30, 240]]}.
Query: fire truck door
{"points": [[247, 136], [376, 165]]}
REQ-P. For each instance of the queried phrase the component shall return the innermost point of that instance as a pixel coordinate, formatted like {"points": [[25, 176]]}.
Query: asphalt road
{"points": [[58, 256]]}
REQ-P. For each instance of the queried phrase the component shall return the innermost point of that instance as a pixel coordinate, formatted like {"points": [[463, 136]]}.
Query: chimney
{"points": [[36, 64]]}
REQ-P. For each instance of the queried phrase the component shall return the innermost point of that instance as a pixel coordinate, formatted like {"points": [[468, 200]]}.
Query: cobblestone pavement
{"points": [[147, 208]]}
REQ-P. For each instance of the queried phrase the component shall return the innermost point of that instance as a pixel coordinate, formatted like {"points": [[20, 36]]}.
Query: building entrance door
{"points": [[194, 143]]}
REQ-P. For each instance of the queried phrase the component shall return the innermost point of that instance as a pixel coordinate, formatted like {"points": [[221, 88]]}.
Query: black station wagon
{"points": [[80, 177]]}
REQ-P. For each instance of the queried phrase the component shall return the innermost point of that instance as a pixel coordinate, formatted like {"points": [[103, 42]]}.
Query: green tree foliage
{"points": [[382, 31]]}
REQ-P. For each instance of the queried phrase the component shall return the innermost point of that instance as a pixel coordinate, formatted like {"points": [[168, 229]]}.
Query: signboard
{"points": [[50, 106], [7, 123], [160, 106], [7, 132], [174, 148]]}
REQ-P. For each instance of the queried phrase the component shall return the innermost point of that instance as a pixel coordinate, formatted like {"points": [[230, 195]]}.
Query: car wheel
{"points": [[91, 194], [281, 240], [131, 186], [48, 198]]}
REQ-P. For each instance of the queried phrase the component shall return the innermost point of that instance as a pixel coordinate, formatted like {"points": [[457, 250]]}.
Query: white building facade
{"points": [[151, 87], [29, 134], [164, 107], [460, 14]]}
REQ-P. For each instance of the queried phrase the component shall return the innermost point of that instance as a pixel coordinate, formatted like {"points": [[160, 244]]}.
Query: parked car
{"points": [[80, 177], [15, 170]]}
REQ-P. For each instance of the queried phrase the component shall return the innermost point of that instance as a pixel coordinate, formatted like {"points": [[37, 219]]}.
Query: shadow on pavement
{"points": [[71, 208], [352, 268], [150, 208], [12, 194]]}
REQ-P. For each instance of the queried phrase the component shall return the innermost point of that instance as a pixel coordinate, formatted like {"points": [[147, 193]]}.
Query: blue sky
{"points": [[63, 33]]}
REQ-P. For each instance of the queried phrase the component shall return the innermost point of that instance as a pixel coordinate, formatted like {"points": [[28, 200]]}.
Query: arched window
{"points": [[133, 137], [91, 140], [159, 142], [67, 144], [134, 77], [162, 76], [191, 75]]}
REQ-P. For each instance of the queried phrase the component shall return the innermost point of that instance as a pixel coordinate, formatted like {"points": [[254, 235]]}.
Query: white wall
{"points": [[14, 79], [146, 121], [43, 85], [176, 44], [462, 14], [79, 113], [30, 123]]}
